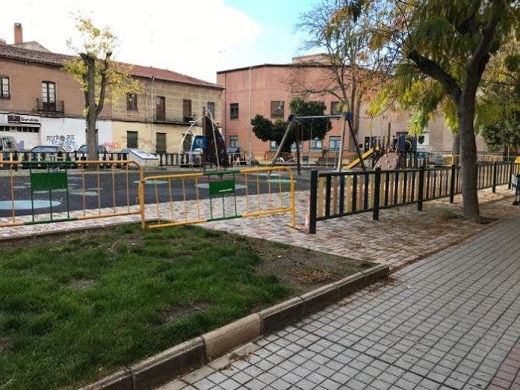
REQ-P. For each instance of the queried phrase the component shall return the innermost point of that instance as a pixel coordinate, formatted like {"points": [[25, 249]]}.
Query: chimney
{"points": [[18, 34], [2, 42]]}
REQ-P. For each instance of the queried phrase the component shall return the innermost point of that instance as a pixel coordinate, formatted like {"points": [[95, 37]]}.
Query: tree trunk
{"points": [[468, 158], [92, 142]]}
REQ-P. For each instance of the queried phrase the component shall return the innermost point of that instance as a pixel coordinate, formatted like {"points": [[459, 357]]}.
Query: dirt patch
{"points": [[303, 269]]}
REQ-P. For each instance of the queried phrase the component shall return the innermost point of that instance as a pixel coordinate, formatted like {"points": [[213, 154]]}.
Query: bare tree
{"points": [[350, 70]]}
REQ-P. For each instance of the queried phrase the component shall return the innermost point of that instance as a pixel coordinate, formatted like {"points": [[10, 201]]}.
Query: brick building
{"points": [[266, 90], [40, 103]]}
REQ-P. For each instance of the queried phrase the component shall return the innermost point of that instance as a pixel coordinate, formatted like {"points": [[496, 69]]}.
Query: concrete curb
{"points": [[167, 365], [228, 337]]}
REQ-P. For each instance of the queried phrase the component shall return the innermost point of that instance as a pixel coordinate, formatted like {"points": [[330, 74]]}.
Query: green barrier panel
{"points": [[223, 187], [48, 181]]}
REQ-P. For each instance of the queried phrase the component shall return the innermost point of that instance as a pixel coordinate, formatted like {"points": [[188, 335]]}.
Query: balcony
{"points": [[50, 108], [170, 119]]}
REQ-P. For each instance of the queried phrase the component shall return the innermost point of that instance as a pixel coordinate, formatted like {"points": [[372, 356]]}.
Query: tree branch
{"points": [[102, 92], [480, 57], [435, 71]]}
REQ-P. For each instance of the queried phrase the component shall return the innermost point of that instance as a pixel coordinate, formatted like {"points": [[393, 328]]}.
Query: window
{"points": [[293, 147], [186, 110], [131, 139], [160, 143], [334, 143], [211, 109], [160, 108], [233, 141], [49, 96], [131, 101], [4, 88], [20, 129], [233, 111], [277, 109], [335, 108], [316, 144], [273, 146]]}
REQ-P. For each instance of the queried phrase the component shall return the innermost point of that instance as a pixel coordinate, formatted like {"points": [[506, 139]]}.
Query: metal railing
{"points": [[190, 198], [338, 194], [54, 191]]}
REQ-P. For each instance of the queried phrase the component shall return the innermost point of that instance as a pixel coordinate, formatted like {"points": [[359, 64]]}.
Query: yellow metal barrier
{"points": [[181, 199], [53, 191]]}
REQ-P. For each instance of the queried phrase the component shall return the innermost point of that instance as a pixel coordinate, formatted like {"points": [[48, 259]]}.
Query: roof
{"points": [[168, 75], [17, 53], [308, 61], [32, 45], [291, 65]]}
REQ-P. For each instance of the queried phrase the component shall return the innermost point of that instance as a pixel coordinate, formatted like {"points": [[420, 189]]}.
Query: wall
{"points": [[147, 135], [255, 87]]}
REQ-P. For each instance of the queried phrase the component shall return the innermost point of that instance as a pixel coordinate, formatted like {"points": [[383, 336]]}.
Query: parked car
{"points": [[100, 149], [48, 149], [7, 144], [41, 155]]}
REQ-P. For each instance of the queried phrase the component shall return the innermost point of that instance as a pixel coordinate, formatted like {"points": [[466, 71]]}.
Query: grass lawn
{"points": [[76, 307]]}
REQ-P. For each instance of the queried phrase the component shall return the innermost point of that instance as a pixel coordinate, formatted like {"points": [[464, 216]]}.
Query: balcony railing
{"points": [[163, 118], [57, 107]]}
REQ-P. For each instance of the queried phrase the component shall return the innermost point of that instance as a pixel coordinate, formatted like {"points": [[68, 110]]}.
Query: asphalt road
{"points": [[75, 189]]}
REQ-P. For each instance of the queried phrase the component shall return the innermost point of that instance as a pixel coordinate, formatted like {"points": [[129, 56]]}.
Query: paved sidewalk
{"points": [[448, 318], [450, 321]]}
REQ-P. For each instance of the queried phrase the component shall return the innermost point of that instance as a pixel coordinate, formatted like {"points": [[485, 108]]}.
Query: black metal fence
{"points": [[29, 159], [338, 194], [165, 159]]}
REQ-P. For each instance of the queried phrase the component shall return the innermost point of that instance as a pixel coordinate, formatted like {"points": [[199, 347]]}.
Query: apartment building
{"points": [[41, 104], [268, 90]]}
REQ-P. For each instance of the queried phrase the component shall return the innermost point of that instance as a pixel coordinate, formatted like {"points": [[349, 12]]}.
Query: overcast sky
{"points": [[193, 37]]}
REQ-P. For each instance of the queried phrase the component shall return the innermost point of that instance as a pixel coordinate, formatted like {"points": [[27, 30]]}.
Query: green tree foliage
{"points": [[441, 50], [102, 80], [310, 128], [266, 130], [504, 134], [498, 114]]}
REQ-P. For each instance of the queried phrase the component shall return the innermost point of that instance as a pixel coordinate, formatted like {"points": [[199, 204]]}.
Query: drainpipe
{"points": [[152, 111], [250, 125]]}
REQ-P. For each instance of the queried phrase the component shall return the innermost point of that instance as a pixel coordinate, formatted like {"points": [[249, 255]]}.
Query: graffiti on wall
{"points": [[111, 146], [67, 142]]}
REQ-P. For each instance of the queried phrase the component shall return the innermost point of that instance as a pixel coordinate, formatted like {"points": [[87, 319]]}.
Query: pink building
{"points": [[268, 90]]}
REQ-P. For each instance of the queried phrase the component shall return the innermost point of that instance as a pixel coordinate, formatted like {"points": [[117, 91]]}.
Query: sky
{"points": [[192, 37]]}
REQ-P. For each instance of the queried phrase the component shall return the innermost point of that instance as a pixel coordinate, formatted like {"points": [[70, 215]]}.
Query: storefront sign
{"points": [[13, 118]]}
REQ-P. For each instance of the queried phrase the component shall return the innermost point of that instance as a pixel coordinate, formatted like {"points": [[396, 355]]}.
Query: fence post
{"points": [[494, 185], [452, 184], [509, 179], [420, 198], [377, 188], [313, 201]]}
